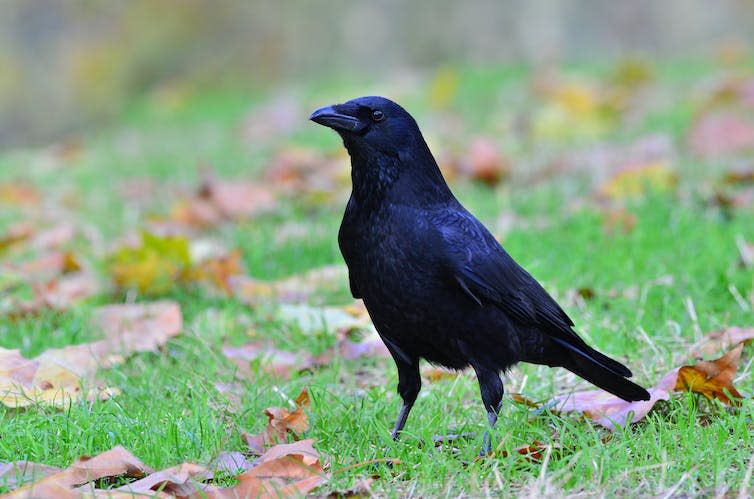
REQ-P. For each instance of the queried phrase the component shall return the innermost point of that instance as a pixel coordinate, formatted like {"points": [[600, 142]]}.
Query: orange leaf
{"points": [[713, 379], [281, 423]]}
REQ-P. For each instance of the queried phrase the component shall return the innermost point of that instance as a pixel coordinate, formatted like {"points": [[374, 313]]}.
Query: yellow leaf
{"points": [[152, 268], [444, 87], [638, 180]]}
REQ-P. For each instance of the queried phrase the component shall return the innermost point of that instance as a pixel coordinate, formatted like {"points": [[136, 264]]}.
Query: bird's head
{"points": [[371, 125]]}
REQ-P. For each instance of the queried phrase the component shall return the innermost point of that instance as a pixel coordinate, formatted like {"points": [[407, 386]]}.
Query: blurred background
{"points": [[68, 65]]}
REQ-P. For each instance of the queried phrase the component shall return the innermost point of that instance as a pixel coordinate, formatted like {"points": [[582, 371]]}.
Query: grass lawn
{"points": [[657, 288]]}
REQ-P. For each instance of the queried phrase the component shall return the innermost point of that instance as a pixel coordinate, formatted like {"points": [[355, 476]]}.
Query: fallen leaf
{"points": [[281, 422], [177, 481], [114, 462], [740, 176], [218, 270], [278, 362], [55, 376], [533, 452], [286, 470], [307, 173], [236, 199], [20, 472], [49, 265], [484, 162], [19, 193], [153, 267], [637, 180], [713, 379], [608, 410], [443, 87], [56, 294], [232, 462], [15, 234], [723, 339], [721, 133]]}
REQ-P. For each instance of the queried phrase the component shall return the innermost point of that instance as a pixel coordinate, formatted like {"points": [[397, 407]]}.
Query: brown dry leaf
{"points": [[740, 176], [19, 193], [305, 172], [54, 377], [21, 472], [176, 481], [533, 452], [281, 422], [17, 233], [218, 270], [236, 199], [723, 339], [57, 294], [713, 379], [50, 265], [485, 162], [285, 470], [217, 201], [115, 462], [637, 180], [608, 410], [721, 133], [278, 362]]}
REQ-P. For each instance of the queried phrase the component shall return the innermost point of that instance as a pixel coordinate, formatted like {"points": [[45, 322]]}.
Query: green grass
{"points": [[681, 252]]}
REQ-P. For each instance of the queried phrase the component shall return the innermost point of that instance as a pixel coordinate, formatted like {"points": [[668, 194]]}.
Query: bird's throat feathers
{"points": [[409, 178]]}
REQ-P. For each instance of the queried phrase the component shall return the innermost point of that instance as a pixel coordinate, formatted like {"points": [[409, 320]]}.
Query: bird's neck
{"points": [[408, 179]]}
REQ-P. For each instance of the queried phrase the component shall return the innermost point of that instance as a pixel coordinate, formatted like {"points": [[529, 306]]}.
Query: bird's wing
{"points": [[488, 274]]}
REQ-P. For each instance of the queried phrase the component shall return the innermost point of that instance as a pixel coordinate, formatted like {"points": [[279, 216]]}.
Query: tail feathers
{"points": [[595, 356], [601, 371]]}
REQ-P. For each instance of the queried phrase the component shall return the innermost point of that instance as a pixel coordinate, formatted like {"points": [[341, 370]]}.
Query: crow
{"points": [[437, 285]]}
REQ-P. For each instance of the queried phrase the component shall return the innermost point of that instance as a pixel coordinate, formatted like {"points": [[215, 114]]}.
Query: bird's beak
{"points": [[337, 118]]}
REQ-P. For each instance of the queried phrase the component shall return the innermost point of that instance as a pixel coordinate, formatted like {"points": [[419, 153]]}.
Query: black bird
{"points": [[436, 283]]}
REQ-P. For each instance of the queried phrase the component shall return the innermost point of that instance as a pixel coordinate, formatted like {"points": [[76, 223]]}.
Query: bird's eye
{"points": [[378, 115]]}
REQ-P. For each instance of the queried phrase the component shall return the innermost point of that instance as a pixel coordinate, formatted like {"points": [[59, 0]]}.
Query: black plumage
{"points": [[436, 283]]}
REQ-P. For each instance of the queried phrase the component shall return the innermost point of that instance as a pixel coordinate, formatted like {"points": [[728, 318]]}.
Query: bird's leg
{"points": [[409, 384], [491, 388]]}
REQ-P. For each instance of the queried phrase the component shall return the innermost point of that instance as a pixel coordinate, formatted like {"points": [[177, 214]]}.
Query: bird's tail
{"points": [[598, 369]]}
